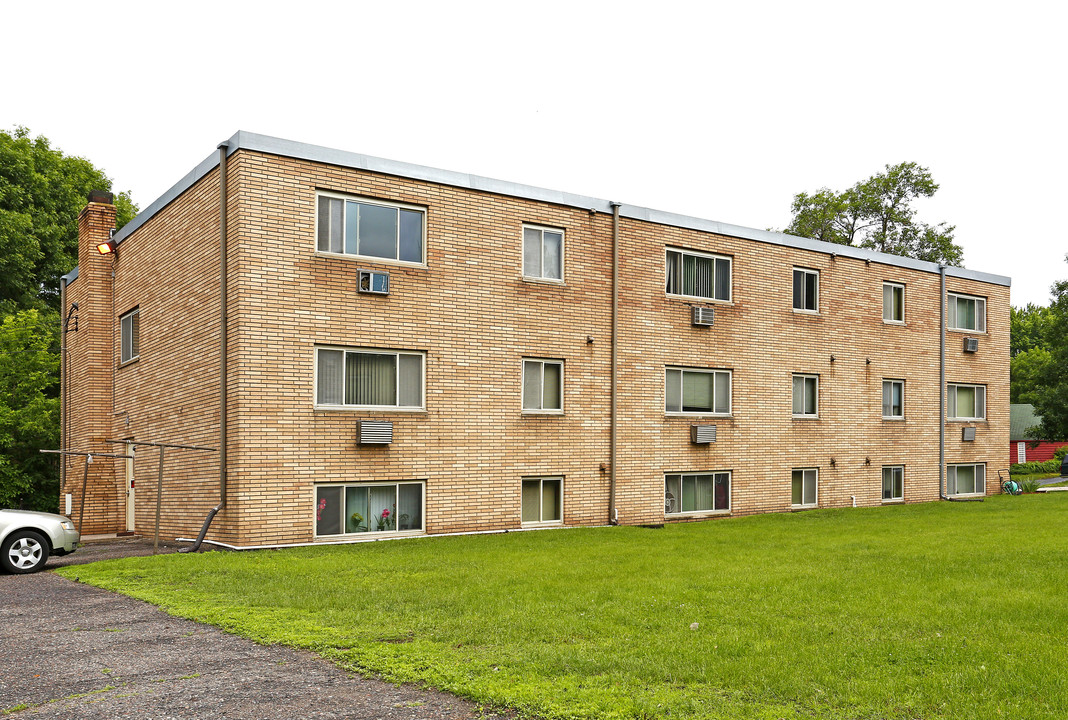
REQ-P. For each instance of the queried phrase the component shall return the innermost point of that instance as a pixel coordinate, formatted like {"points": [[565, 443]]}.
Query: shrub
{"points": [[1029, 485], [1034, 468]]}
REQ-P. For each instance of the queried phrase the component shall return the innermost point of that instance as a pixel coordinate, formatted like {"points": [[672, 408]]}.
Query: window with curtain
{"points": [[129, 331], [965, 402], [894, 482], [697, 492], [697, 391], [965, 312], [893, 302], [543, 253], [803, 488], [370, 229], [806, 392], [369, 378], [969, 479], [698, 275], [894, 399], [806, 290], [543, 500], [368, 508], [543, 386]]}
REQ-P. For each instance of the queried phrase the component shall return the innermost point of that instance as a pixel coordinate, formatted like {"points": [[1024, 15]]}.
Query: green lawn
{"points": [[940, 610]]}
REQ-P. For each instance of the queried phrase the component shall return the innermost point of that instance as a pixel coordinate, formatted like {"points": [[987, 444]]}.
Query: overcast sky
{"points": [[718, 110]]}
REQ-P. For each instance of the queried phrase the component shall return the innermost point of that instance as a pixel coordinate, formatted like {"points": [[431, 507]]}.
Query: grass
{"points": [[939, 610]]}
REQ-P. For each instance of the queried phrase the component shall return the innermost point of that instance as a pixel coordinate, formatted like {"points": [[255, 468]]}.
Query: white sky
{"points": [[721, 110]]}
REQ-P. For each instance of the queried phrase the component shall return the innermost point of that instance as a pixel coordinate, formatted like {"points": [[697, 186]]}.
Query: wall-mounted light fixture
{"points": [[109, 247]]}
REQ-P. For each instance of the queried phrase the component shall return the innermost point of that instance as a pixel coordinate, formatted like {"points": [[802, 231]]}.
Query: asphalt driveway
{"points": [[68, 650]]}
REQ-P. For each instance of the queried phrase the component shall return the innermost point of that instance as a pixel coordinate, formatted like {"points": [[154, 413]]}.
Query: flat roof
{"points": [[243, 140]]}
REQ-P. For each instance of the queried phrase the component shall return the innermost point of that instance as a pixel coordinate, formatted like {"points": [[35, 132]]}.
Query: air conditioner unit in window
{"points": [[375, 432], [971, 345], [967, 434], [702, 434], [372, 281], [703, 316]]}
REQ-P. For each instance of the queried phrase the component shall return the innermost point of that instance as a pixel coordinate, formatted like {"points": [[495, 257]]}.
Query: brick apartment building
{"points": [[411, 350]]}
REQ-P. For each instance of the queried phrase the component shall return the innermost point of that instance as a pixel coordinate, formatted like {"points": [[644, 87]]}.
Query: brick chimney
{"points": [[91, 354]]}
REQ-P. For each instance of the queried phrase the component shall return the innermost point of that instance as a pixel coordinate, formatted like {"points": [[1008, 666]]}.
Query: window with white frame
{"points": [[893, 302], [543, 386], [965, 402], [543, 253], [965, 312], [368, 508], [894, 399], [690, 391], [697, 492], [698, 275], [543, 500], [966, 479], [371, 379], [371, 229], [803, 487], [806, 393], [894, 482], [806, 290], [129, 340]]}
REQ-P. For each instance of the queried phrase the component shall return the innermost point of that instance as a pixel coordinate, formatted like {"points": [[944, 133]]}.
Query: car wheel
{"points": [[24, 551]]}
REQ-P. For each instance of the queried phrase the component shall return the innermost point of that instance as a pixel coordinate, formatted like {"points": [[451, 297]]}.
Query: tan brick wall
{"points": [[475, 317]]}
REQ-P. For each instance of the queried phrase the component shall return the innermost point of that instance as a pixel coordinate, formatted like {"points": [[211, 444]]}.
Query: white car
{"points": [[27, 538]]}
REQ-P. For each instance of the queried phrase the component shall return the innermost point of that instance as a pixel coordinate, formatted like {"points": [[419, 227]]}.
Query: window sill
{"points": [[544, 281], [805, 507], [532, 525], [698, 415], [696, 514], [129, 362], [894, 501], [965, 331], [371, 259], [368, 536], [899, 323], [698, 298], [368, 409], [810, 313], [804, 417], [894, 418], [542, 413], [966, 420]]}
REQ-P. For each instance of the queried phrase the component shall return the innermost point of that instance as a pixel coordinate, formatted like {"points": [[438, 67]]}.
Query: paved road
{"points": [[68, 650]]}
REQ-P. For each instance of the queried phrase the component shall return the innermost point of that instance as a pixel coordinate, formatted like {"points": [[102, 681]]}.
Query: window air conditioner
{"points": [[372, 281], [703, 316], [375, 432], [971, 345], [702, 434]]}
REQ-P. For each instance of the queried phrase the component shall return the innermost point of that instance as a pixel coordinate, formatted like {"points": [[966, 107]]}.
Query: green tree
{"points": [[1031, 338], [29, 409], [1050, 395], [41, 193], [878, 214]]}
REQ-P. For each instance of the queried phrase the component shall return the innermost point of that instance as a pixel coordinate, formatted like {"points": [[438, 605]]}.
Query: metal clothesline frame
{"points": [[85, 476], [159, 480]]}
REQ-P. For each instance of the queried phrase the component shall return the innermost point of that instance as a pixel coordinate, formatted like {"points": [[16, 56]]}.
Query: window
{"points": [[369, 378], [698, 391], [964, 312], [697, 492], [543, 253], [894, 399], [543, 386], [806, 290], [129, 330], [543, 500], [966, 402], [894, 482], [372, 508], [966, 479], [893, 302], [805, 393], [803, 487], [371, 229], [699, 275]]}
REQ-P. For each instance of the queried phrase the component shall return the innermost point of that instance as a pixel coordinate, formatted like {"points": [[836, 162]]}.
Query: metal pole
{"points": [[159, 499], [85, 481], [942, 391], [62, 385], [613, 514]]}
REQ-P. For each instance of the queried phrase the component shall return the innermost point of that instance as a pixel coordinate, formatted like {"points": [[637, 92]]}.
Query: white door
{"points": [[130, 488]]}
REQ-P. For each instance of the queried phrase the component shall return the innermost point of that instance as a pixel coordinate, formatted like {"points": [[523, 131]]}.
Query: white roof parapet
{"points": [[243, 140]]}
